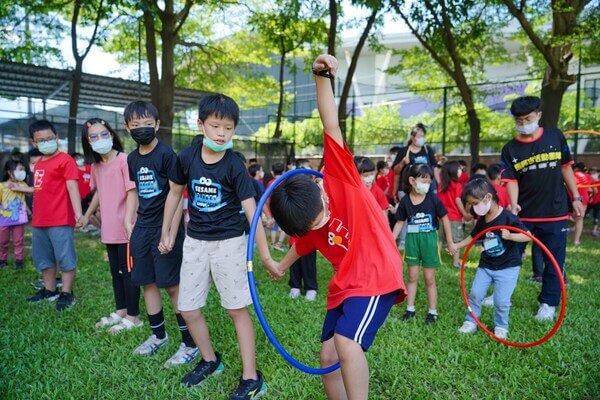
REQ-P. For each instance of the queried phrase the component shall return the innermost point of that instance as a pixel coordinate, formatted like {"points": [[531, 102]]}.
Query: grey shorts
{"points": [[53, 247]]}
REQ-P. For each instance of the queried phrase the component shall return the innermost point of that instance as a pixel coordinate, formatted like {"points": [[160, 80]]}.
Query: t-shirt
{"points": [[216, 193], [503, 199], [357, 239], [448, 199], [13, 209], [421, 217], [151, 173], [499, 253], [537, 168], [84, 181], [390, 177], [111, 179], [583, 179], [51, 202], [384, 183], [379, 197], [463, 178], [596, 198], [425, 156]]}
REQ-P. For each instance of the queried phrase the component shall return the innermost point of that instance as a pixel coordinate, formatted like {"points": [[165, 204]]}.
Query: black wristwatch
{"points": [[324, 73], [578, 198]]}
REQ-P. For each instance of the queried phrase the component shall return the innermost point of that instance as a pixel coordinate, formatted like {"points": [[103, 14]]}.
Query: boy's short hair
{"points": [[525, 105], [381, 165], [295, 204], [76, 154], [139, 110], [462, 163], [220, 106], [41, 125], [364, 164], [301, 161], [579, 166], [494, 171], [35, 153], [477, 167], [278, 168], [253, 169], [395, 149]]}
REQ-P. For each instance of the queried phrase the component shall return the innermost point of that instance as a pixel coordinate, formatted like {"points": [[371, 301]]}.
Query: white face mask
{"points": [[390, 163], [422, 187], [483, 207], [420, 141], [102, 146], [386, 171], [79, 162], [20, 175], [528, 129], [325, 219], [368, 180]]}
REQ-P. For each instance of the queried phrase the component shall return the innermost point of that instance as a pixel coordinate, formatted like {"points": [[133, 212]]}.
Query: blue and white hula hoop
{"points": [[252, 283]]}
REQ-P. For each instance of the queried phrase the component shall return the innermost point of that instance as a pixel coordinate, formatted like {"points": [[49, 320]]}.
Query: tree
{"points": [[555, 46]]}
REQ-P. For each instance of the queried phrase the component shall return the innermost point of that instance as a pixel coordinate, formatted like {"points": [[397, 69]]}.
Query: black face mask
{"points": [[143, 135]]}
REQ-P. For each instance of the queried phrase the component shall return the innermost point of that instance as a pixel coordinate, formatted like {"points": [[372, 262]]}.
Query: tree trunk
{"points": [[331, 36], [151, 56], [472, 118], [166, 97], [279, 115], [74, 105], [552, 95]]}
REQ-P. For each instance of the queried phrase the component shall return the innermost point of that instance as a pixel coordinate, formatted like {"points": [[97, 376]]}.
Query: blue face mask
{"points": [[217, 148], [48, 147]]}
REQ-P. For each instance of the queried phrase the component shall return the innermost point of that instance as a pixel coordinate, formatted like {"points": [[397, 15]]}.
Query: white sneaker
{"points": [[545, 312], [151, 345], [468, 327], [294, 293], [488, 301], [184, 355], [311, 295], [500, 332]]}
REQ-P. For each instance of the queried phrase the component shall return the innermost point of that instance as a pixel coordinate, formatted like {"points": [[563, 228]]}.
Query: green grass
{"points": [[46, 355]]}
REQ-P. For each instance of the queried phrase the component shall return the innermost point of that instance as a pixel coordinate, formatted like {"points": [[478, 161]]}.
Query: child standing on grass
{"points": [[273, 227], [450, 195], [422, 210], [152, 166], [494, 174], [215, 245], [56, 209], [114, 189], [13, 211], [366, 169], [500, 260]]}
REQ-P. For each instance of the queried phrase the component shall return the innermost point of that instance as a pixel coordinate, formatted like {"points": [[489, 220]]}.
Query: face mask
{"points": [[143, 135], [49, 147], [422, 188], [102, 146], [325, 218], [420, 141], [527, 129], [390, 163], [79, 162], [386, 171], [19, 175], [217, 148], [459, 173], [368, 180], [483, 207]]}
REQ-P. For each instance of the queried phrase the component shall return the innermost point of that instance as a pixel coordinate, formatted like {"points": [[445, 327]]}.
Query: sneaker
{"points": [[408, 315], [311, 295], [500, 333], [430, 318], [249, 389], [43, 294], [488, 301], [545, 312], [184, 355], [19, 264], [65, 300], [294, 293], [468, 327], [151, 345], [203, 370]]}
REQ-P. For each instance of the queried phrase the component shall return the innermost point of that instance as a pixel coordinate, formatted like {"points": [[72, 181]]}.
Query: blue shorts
{"points": [[52, 247], [358, 318]]}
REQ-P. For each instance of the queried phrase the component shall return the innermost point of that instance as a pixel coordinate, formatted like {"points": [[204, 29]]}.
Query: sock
{"points": [[434, 312], [157, 324], [410, 308], [185, 333]]}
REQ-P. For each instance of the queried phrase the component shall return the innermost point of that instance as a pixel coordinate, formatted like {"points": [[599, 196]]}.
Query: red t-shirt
{"points": [[51, 203], [84, 181], [463, 178], [379, 197], [390, 177], [581, 178], [596, 198], [448, 199], [357, 240], [384, 183], [503, 199]]}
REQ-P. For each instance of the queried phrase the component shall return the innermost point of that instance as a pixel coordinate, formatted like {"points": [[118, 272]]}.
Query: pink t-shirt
{"points": [[112, 182]]}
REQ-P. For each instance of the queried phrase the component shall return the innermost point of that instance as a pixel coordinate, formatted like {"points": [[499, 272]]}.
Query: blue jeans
{"points": [[504, 281]]}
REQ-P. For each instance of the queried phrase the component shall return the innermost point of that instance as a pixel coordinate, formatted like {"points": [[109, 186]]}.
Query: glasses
{"points": [[527, 119], [103, 135], [44, 140]]}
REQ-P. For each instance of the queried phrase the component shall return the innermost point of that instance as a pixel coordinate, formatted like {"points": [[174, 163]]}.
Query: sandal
{"points": [[111, 320], [125, 325]]}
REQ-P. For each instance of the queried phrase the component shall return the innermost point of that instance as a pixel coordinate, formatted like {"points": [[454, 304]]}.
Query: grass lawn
{"points": [[47, 355]]}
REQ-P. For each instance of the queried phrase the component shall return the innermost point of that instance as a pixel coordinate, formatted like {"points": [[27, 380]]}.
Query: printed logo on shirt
{"points": [[492, 245], [420, 160], [38, 178], [538, 161], [338, 235], [207, 195], [147, 183], [86, 177], [420, 222]]}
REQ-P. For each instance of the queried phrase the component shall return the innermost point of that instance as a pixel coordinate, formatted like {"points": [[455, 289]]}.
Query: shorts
{"points": [[422, 249], [358, 318], [53, 247], [149, 266], [458, 232], [221, 261]]}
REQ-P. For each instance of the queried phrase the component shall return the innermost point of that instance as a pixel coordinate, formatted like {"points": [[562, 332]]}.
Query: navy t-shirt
{"points": [[151, 173], [498, 253], [216, 192], [537, 167], [421, 217], [425, 156]]}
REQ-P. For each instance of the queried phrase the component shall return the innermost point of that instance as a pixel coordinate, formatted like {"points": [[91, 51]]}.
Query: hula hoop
{"points": [[582, 131], [249, 265], [563, 289]]}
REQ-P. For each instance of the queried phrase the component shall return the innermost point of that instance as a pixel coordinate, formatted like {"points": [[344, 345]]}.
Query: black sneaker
{"points": [[43, 294], [58, 283], [408, 315], [430, 318], [203, 370], [65, 300], [19, 264], [249, 389]]}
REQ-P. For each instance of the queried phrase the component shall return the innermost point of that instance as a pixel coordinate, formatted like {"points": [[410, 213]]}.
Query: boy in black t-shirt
{"points": [[538, 174], [215, 247], [152, 166]]}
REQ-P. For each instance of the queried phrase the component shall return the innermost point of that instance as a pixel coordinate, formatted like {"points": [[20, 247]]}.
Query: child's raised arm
{"points": [[325, 98]]}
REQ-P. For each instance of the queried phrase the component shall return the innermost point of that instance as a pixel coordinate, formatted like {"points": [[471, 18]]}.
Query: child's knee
{"points": [[328, 355], [238, 313]]}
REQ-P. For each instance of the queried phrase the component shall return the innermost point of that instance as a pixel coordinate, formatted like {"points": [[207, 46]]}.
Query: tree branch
{"points": [[96, 24], [74, 18], [182, 15], [202, 46]]}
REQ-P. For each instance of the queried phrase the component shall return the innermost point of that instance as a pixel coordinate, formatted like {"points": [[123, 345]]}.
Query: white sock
{"points": [[434, 312], [410, 308]]}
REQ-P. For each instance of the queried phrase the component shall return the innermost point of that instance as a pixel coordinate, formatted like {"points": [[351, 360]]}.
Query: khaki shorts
{"points": [[458, 233], [221, 261]]}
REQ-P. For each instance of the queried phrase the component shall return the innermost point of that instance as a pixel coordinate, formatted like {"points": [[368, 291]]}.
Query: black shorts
{"points": [[149, 266]]}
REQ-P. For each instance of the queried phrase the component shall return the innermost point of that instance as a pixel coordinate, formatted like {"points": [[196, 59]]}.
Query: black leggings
{"points": [[304, 269], [127, 295]]}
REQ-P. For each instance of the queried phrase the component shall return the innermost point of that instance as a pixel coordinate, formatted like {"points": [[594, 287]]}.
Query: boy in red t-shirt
{"points": [[366, 169], [494, 173], [339, 217], [56, 208]]}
